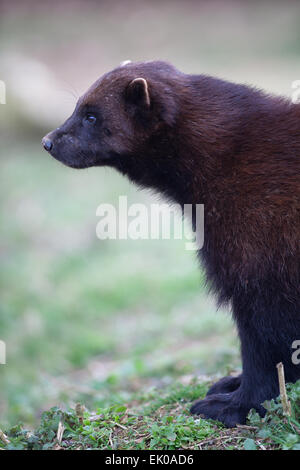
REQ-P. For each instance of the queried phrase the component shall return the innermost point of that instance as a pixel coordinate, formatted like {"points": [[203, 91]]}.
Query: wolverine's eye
{"points": [[106, 131], [90, 118]]}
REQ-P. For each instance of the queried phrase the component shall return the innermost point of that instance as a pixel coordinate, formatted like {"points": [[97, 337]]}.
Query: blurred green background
{"points": [[92, 320]]}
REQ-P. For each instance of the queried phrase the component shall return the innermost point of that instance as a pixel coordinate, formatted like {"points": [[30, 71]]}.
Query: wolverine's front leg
{"points": [[263, 346], [225, 385]]}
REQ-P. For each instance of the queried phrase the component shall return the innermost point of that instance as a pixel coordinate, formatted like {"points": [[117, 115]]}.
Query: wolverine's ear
{"points": [[138, 92]]}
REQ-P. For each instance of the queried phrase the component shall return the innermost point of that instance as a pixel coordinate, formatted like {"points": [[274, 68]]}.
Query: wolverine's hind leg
{"points": [[225, 385]]}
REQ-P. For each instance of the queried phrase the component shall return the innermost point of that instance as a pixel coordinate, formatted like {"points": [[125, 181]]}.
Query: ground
{"points": [[159, 419]]}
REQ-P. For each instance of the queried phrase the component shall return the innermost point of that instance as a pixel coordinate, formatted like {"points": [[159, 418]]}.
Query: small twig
{"points": [[120, 425], [60, 432], [244, 426], [213, 440], [79, 410], [261, 445], [296, 428], [95, 417], [4, 438], [110, 440], [286, 405]]}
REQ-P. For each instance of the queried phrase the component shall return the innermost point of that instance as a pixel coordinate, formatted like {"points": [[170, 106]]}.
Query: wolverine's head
{"points": [[117, 116]]}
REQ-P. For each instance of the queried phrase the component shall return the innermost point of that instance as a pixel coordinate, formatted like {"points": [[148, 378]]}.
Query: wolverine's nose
{"points": [[47, 144]]}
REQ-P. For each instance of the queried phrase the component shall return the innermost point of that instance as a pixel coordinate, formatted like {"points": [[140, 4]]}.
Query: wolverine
{"points": [[235, 149]]}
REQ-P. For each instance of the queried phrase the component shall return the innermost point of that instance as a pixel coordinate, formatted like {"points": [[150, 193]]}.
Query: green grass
{"points": [[159, 419], [276, 430]]}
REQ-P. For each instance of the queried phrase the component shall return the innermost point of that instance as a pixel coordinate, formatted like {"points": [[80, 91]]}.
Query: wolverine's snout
{"points": [[47, 143]]}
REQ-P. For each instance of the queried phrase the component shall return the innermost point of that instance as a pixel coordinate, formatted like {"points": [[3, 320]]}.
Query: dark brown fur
{"points": [[236, 150]]}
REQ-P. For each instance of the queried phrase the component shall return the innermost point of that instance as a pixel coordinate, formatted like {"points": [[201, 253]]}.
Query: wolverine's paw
{"points": [[225, 385], [224, 408]]}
